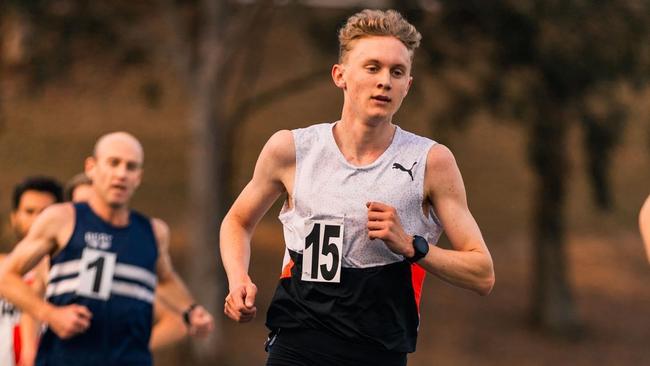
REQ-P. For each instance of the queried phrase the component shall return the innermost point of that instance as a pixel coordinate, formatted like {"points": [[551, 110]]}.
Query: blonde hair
{"points": [[370, 22]]}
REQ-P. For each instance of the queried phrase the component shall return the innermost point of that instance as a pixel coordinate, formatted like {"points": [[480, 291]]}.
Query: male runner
{"points": [[168, 327], [366, 203], [106, 260], [19, 333]]}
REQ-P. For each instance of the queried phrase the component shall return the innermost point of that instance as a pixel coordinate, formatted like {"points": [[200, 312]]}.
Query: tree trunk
{"points": [[553, 308], [206, 200]]}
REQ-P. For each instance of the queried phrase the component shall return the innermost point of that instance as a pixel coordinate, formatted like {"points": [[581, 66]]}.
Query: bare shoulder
{"points": [[57, 220], [160, 229], [58, 212], [440, 157], [645, 209], [440, 160], [644, 214], [48, 235], [280, 148], [443, 178]]}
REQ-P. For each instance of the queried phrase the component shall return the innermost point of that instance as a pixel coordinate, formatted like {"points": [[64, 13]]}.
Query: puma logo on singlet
{"points": [[400, 167]]}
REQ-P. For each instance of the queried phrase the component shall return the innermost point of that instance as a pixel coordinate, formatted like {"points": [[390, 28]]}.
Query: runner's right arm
{"points": [[52, 227], [273, 176]]}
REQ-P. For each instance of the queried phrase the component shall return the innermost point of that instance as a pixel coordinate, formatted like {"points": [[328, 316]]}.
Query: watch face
{"points": [[420, 244], [421, 248]]}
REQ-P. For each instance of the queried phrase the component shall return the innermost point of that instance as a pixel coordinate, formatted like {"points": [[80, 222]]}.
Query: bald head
{"points": [[118, 140], [115, 169]]}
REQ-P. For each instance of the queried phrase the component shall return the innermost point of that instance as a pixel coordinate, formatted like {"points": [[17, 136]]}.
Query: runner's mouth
{"points": [[381, 98], [118, 187]]}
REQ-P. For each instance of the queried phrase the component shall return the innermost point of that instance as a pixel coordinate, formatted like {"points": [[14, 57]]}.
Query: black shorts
{"points": [[308, 347]]}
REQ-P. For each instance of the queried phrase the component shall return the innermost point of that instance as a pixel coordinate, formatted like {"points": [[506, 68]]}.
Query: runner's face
{"points": [[116, 171], [375, 75], [31, 204]]}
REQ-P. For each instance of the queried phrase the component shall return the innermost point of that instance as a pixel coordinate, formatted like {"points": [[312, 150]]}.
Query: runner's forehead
{"points": [[119, 146]]}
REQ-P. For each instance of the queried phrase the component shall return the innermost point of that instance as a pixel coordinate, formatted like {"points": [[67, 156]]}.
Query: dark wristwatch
{"points": [[187, 312], [421, 248]]}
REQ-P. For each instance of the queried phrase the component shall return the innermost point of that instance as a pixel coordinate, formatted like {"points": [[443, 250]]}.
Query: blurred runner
{"points": [[168, 327], [19, 333], [106, 261]]}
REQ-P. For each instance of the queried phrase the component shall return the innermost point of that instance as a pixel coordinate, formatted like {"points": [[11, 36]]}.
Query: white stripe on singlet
{"points": [[136, 273], [62, 287], [121, 288], [65, 269], [132, 290], [142, 291], [127, 271]]}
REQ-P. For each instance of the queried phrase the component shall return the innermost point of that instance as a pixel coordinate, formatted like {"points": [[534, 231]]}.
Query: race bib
{"points": [[96, 273], [321, 258]]}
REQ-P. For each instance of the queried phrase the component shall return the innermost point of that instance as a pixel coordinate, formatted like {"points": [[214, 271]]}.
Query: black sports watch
{"points": [[421, 248], [187, 312]]}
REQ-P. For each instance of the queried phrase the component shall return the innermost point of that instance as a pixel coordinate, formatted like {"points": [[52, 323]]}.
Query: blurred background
{"points": [[545, 105]]}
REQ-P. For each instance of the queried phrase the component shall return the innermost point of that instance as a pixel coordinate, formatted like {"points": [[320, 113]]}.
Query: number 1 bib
{"points": [[96, 273], [321, 258]]}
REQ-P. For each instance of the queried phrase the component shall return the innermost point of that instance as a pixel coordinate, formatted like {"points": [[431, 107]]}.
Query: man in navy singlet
{"points": [[168, 327], [365, 205], [106, 261]]}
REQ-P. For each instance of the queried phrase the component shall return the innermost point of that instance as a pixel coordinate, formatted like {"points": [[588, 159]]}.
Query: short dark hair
{"points": [[40, 184]]}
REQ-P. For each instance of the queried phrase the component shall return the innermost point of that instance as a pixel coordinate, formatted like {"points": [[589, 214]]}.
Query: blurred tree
{"points": [[548, 65]]}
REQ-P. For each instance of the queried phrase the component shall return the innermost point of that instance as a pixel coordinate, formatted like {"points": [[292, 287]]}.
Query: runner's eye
{"points": [[132, 166]]}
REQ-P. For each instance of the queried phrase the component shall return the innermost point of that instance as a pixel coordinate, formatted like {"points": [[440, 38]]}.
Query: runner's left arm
{"points": [[173, 291], [168, 327], [468, 263]]}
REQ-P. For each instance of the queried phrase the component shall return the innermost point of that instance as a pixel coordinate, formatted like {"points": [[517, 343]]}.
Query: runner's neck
{"points": [[362, 143]]}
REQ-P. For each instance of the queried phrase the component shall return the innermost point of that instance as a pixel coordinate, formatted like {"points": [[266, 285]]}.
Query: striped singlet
{"points": [[112, 271]]}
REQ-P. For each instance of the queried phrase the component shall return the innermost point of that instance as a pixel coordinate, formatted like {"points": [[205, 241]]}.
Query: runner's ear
{"points": [[337, 76], [89, 166]]}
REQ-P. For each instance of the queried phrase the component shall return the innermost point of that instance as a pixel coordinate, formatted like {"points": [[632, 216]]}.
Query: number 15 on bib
{"points": [[321, 258]]}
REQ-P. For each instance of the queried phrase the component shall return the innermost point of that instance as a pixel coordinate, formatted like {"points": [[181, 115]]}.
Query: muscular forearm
{"points": [[14, 289], [168, 330], [235, 251], [472, 270], [174, 293]]}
